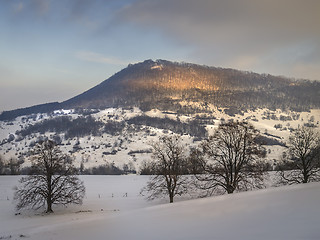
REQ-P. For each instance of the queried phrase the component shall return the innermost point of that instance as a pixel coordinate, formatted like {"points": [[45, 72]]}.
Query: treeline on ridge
{"points": [[193, 128], [84, 126], [78, 127]]}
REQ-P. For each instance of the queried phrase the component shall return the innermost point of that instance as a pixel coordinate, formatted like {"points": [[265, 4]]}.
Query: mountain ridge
{"points": [[163, 84]]}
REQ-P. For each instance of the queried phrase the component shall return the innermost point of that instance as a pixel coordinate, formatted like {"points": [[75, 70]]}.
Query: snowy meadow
{"points": [[114, 209]]}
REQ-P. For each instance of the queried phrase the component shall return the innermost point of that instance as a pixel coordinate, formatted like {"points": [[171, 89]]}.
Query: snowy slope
{"points": [[284, 213], [95, 151]]}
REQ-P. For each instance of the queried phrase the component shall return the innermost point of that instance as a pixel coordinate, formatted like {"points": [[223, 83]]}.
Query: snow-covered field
{"points": [[132, 148], [113, 209]]}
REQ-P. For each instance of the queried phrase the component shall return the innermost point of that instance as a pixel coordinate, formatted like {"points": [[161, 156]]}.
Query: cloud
{"points": [[18, 7], [90, 15], [31, 9], [99, 58], [41, 6], [223, 31], [207, 21]]}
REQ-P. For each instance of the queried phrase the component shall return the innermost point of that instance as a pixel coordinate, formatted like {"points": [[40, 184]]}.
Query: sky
{"points": [[52, 50]]}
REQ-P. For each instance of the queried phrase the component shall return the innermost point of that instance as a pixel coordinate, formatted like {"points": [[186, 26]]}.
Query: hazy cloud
{"points": [[18, 7], [39, 7], [216, 21], [99, 58]]}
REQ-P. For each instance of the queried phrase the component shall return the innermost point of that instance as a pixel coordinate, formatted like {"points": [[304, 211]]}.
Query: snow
{"points": [[286, 213], [64, 111], [159, 67], [94, 150]]}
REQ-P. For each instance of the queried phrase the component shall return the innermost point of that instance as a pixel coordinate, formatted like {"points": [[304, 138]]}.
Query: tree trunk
{"points": [[49, 196], [305, 177], [171, 197], [49, 206], [230, 189]]}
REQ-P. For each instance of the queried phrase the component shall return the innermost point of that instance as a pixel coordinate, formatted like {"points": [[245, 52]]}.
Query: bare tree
{"points": [[169, 167], [229, 160], [14, 166], [303, 165], [52, 180]]}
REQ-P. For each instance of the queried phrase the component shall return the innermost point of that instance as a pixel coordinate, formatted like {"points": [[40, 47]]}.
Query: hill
{"points": [[166, 85], [153, 98], [188, 88]]}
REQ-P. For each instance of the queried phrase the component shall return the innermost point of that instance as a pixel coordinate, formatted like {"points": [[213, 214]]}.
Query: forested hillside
{"points": [[188, 88]]}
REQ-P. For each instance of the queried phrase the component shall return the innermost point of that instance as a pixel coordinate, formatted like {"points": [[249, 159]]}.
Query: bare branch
{"points": [[53, 180], [303, 165], [170, 163], [231, 159]]}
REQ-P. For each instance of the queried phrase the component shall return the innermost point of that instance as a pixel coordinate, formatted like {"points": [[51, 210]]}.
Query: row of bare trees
{"points": [[230, 160], [10, 167]]}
